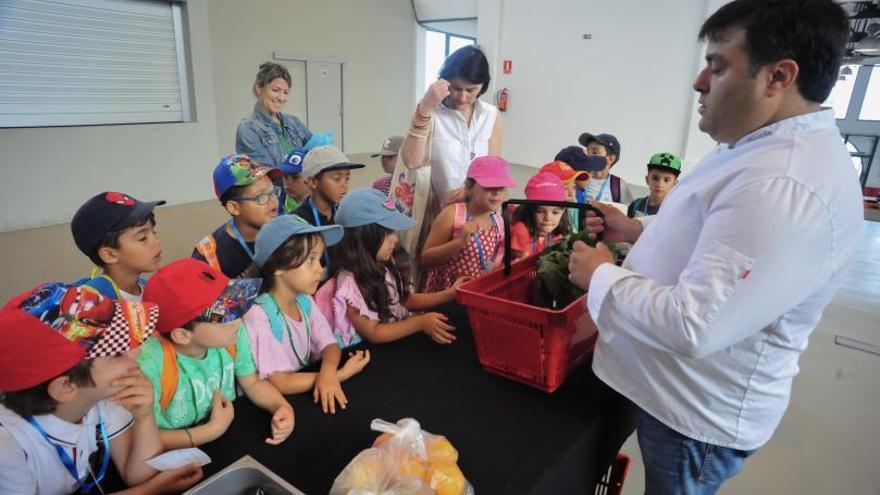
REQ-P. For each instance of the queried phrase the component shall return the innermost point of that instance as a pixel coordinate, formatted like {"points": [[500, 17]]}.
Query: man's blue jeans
{"points": [[678, 465]]}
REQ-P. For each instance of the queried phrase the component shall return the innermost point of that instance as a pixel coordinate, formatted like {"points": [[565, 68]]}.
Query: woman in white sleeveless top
{"points": [[450, 127]]}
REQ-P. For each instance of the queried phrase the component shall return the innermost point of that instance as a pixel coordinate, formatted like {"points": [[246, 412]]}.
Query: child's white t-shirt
{"points": [[602, 188], [29, 464], [139, 297]]}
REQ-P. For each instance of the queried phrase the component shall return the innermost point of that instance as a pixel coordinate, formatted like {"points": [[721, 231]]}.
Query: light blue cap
{"points": [[366, 206], [278, 231]]}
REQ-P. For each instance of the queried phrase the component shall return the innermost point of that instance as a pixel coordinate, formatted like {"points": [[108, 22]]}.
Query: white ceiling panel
{"points": [[427, 10]]}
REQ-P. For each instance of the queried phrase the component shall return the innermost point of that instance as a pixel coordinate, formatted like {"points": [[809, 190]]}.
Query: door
{"points": [[324, 98]]}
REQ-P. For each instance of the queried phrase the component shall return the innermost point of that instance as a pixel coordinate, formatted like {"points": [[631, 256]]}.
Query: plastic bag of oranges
{"points": [[404, 460]]}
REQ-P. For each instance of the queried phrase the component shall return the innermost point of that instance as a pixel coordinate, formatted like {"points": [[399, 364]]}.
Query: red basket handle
{"points": [[505, 214]]}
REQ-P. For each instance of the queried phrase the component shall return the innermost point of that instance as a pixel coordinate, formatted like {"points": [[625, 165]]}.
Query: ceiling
{"points": [[864, 44], [429, 10]]}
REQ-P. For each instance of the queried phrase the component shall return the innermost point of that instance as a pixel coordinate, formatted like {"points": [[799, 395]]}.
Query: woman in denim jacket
{"points": [[267, 134]]}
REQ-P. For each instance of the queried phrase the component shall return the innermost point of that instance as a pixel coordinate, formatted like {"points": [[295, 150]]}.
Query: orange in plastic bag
{"points": [[404, 460], [441, 451]]}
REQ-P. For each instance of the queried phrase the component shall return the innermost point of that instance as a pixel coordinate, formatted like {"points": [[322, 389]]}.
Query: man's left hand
{"points": [[585, 260]]}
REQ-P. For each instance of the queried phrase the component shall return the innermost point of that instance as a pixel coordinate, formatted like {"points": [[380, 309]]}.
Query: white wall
{"points": [[632, 79], [373, 38], [49, 172]]}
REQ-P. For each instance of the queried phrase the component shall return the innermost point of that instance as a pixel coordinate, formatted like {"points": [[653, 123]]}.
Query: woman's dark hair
{"points": [[269, 71], [813, 33], [36, 400], [356, 253], [287, 256], [526, 214], [467, 63]]}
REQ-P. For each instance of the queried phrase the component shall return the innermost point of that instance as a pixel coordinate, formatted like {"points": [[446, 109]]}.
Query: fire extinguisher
{"points": [[502, 99]]}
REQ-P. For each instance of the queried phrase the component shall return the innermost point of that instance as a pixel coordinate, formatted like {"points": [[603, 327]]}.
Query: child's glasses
{"points": [[261, 198]]}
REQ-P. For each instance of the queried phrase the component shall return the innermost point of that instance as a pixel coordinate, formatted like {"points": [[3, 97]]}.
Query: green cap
{"points": [[666, 161]]}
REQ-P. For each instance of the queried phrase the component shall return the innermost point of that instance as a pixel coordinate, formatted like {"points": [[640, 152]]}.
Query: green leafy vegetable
{"points": [[553, 289]]}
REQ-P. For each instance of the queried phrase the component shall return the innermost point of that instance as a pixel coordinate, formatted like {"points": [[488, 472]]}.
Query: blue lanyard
{"points": [[547, 240], [645, 209], [601, 189], [241, 240], [68, 462], [318, 224], [483, 264], [580, 194]]}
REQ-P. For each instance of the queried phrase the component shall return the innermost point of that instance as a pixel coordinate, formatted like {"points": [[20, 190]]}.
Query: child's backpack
{"points": [[615, 189], [170, 371], [207, 247]]}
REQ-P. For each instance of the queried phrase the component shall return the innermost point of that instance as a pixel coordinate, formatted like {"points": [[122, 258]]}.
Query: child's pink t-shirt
{"points": [[272, 356], [348, 292]]}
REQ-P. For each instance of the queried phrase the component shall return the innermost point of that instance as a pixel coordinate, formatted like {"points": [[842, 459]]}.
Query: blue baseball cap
{"points": [[368, 205], [577, 158], [293, 161], [278, 231]]}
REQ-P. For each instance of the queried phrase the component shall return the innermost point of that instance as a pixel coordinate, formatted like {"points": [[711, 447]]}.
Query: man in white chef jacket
{"points": [[702, 326]]}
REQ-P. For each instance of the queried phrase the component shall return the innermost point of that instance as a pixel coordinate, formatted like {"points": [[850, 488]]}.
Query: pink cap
{"points": [[545, 186], [491, 171]]}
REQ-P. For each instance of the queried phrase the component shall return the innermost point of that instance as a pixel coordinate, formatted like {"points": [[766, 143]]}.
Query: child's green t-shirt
{"points": [[197, 380]]}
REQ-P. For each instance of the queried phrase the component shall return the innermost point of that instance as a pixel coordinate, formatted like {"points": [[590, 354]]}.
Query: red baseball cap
{"points": [[189, 288], [564, 171], [49, 329]]}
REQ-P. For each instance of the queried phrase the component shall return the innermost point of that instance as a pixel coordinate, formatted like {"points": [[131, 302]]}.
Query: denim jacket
{"points": [[256, 136]]}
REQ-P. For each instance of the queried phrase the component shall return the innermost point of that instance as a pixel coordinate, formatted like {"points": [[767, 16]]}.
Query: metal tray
{"points": [[245, 476]]}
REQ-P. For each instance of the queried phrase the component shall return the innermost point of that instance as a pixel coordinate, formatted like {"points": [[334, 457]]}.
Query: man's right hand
{"points": [[437, 92], [615, 226]]}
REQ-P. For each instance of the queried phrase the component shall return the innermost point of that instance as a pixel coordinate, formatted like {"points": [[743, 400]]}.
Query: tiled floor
{"points": [[827, 442]]}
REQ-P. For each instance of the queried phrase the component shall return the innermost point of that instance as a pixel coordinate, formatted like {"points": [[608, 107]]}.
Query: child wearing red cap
{"points": [[71, 388], [467, 239], [535, 226], [201, 352]]}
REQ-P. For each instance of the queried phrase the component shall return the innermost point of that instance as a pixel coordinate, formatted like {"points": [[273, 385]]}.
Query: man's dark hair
{"points": [[36, 400], [111, 239], [813, 33]]}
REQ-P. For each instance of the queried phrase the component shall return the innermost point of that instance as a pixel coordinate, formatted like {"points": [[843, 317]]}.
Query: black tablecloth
{"points": [[511, 438]]}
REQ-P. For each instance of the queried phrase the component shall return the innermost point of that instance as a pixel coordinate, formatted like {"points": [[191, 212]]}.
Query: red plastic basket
{"points": [[532, 345]]}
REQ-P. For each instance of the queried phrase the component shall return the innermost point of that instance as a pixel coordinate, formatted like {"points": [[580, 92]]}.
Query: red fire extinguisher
{"points": [[502, 99]]}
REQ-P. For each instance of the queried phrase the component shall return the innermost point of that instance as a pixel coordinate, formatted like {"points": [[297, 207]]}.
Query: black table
{"points": [[511, 438]]}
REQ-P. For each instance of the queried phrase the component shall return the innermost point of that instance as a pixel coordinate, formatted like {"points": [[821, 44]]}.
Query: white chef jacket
{"points": [[703, 325]]}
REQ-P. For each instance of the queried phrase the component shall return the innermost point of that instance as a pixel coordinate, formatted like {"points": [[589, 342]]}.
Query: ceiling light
{"points": [[868, 46]]}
